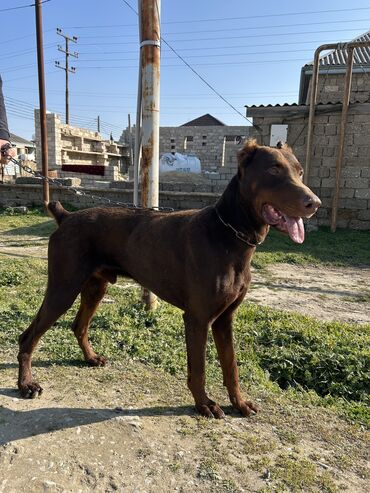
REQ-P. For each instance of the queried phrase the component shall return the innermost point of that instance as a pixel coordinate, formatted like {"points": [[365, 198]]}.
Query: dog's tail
{"points": [[57, 211]]}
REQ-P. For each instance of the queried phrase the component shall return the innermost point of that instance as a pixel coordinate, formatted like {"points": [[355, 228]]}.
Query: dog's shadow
{"points": [[17, 425]]}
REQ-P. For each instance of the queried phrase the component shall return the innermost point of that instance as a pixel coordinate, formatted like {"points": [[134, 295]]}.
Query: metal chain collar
{"points": [[77, 191], [241, 236]]}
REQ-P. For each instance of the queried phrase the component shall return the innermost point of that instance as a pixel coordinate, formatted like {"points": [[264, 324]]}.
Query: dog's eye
{"points": [[275, 170], [301, 173]]}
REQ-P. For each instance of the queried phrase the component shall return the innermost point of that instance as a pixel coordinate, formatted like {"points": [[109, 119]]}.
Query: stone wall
{"points": [[354, 201], [31, 195], [330, 88]]}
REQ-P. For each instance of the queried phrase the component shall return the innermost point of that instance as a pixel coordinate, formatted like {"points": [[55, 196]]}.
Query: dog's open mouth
{"points": [[291, 225]]}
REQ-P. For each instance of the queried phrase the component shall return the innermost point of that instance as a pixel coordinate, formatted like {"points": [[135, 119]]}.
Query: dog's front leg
{"points": [[223, 337], [196, 340]]}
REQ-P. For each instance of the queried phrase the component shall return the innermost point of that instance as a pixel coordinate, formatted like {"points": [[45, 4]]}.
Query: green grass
{"points": [[342, 248], [323, 363]]}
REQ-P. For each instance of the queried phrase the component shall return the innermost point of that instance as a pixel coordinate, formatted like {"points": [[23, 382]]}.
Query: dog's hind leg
{"points": [[92, 293], [56, 302], [223, 337]]}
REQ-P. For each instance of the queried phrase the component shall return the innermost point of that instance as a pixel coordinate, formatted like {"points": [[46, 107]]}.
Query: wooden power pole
{"points": [[150, 57], [42, 99]]}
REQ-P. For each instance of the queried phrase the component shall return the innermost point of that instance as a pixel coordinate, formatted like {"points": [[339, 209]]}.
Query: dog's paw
{"points": [[210, 410], [97, 361], [30, 390], [246, 408]]}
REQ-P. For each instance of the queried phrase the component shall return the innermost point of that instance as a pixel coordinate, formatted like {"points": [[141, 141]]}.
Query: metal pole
{"points": [[42, 99], [343, 125], [311, 116], [137, 150], [313, 95], [150, 66], [99, 123]]}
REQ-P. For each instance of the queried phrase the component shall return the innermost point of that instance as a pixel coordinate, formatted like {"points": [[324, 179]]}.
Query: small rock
{"points": [[324, 466], [49, 485]]}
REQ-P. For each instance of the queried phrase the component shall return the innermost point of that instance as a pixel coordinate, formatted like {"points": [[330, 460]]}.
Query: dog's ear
{"points": [[246, 154], [284, 146]]}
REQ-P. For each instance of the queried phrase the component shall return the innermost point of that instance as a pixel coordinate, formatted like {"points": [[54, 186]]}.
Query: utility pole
{"points": [[67, 70], [150, 36], [42, 100], [99, 123]]}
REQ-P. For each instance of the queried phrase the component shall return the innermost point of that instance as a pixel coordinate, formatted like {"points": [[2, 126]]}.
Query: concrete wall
{"points": [[330, 88], [354, 202], [215, 146], [12, 195]]}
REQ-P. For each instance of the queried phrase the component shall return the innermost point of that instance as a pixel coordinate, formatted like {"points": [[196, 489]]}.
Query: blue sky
{"points": [[251, 52]]}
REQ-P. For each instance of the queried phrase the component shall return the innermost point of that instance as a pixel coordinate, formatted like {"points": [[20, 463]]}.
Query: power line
{"points": [[27, 109], [236, 28], [263, 16], [218, 64], [201, 48], [167, 96], [197, 56], [232, 37], [25, 52], [23, 6], [198, 75]]}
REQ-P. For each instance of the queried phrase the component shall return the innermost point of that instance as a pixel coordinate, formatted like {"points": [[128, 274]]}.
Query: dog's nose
{"points": [[311, 202]]}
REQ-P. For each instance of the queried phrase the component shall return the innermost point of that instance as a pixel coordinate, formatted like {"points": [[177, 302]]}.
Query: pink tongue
{"points": [[295, 228]]}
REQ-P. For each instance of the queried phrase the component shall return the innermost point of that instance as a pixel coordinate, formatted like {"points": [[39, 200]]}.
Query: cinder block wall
{"points": [[330, 88], [30, 195], [354, 201], [72, 145], [213, 145]]}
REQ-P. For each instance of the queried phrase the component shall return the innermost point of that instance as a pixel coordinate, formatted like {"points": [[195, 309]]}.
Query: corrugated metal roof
{"points": [[292, 105], [338, 57]]}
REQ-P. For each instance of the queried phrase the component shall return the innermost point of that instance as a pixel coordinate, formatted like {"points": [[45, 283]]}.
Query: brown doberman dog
{"points": [[197, 260]]}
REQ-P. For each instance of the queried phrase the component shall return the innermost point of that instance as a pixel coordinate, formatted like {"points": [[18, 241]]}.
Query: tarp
{"points": [[182, 163]]}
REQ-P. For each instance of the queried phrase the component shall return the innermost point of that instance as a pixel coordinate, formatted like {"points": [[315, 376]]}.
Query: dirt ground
{"points": [[128, 428]]}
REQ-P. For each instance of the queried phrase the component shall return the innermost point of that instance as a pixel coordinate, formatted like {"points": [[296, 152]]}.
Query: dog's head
{"points": [[271, 182]]}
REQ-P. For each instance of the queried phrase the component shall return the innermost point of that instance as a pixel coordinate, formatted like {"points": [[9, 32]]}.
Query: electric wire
{"points": [[23, 6]]}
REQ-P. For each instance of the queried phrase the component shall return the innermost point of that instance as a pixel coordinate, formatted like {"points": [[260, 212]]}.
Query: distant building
{"points": [[24, 147], [81, 153], [206, 137]]}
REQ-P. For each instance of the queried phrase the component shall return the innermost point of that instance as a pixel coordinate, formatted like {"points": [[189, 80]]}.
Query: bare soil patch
{"points": [[327, 293]]}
